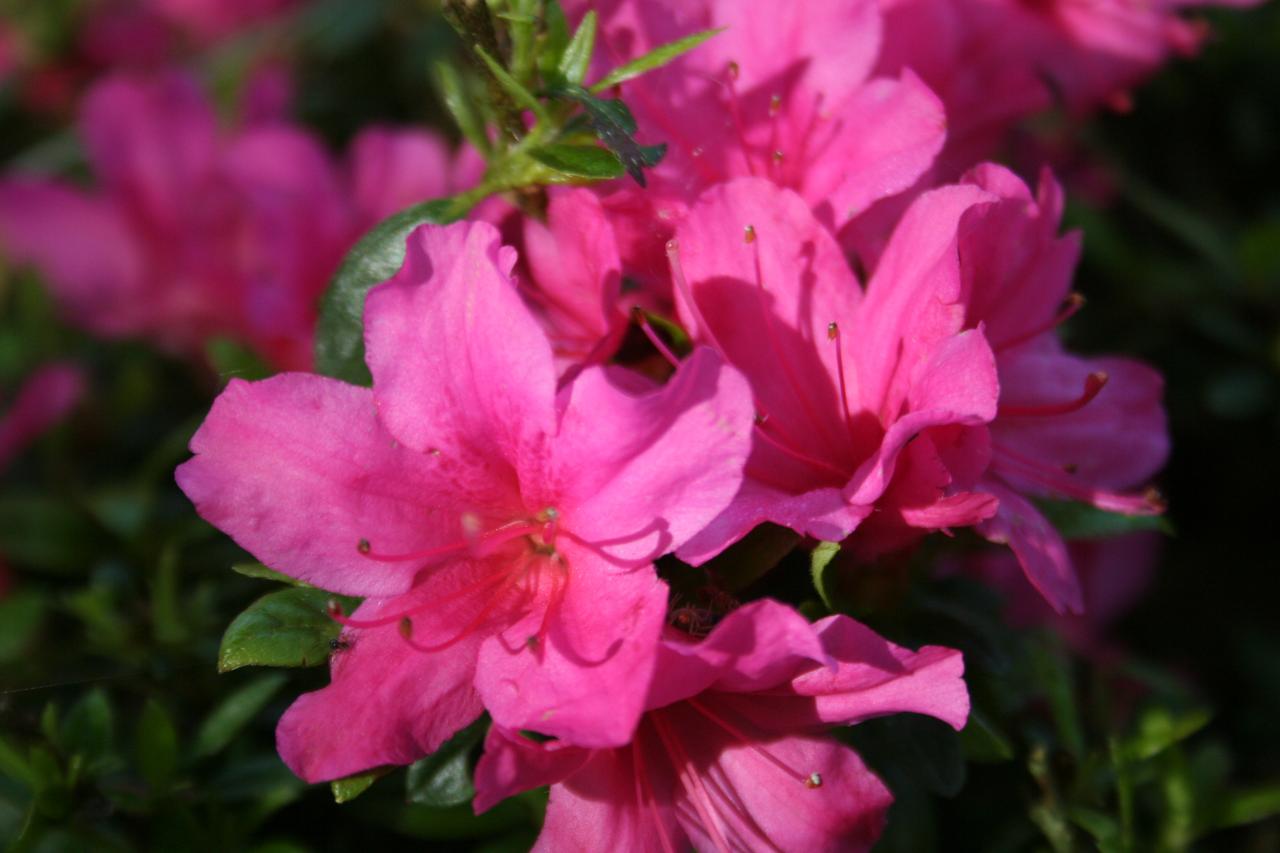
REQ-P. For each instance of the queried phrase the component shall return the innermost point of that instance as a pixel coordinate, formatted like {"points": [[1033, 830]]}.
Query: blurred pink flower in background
{"points": [[194, 231]]}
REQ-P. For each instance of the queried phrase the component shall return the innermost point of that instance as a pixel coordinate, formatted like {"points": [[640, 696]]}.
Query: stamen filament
{"points": [[1093, 385], [642, 320], [1074, 303], [833, 333], [689, 779], [805, 779], [1148, 503], [735, 114], [682, 284], [494, 537], [644, 793]]}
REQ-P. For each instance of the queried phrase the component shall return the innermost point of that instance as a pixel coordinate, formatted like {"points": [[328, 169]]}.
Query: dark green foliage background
{"points": [[117, 732]]}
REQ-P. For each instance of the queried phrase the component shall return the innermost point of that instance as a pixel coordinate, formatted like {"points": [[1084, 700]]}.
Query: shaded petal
{"points": [[957, 384], [753, 804], [914, 299], [584, 677], [876, 143], [776, 336], [459, 364], [1038, 547], [1116, 441], [386, 703], [756, 647], [298, 470], [821, 513], [601, 802], [512, 763], [640, 473], [577, 275]]}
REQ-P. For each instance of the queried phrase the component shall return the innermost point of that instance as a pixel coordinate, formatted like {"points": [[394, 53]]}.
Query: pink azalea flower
{"points": [[209, 20], [785, 93], [501, 530], [1067, 427], [574, 280], [730, 753], [195, 233], [859, 399]]}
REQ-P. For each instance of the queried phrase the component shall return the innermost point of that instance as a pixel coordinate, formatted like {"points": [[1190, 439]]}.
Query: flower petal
{"points": [[583, 679], [459, 364], [640, 473], [298, 470], [386, 702], [1038, 547], [512, 763]]}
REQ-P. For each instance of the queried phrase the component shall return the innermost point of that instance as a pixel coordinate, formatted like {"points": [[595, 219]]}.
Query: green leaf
{"points": [[156, 746], [579, 161], [234, 713], [443, 778], [818, 562], [13, 765], [1053, 672], [614, 125], [555, 40], [1075, 520], [348, 788], [461, 105], [374, 259], [88, 728], [577, 55], [522, 96], [1245, 807], [288, 627], [257, 570], [655, 58], [1159, 728]]}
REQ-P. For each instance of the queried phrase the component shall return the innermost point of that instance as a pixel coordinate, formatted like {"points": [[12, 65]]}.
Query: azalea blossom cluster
{"points": [[866, 352]]}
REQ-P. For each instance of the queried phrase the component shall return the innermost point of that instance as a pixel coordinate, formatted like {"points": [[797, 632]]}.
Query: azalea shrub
{"points": [[638, 425]]}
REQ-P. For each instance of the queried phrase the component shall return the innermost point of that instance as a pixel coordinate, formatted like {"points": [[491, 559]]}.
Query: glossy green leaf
{"points": [[555, 39], [443, 778], [749, 559], [234, 713], [1245, 807], [615, 126], [374, 259], [288, 627], [1160, 728], [579, 161], [983, 741], [913, 749], [21, 614], [577, 54], [655, 58]]}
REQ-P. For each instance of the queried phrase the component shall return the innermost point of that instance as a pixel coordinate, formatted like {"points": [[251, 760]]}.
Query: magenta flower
{"points": [[194, 233], [502, 530], [784, 93], [575, 278], [730, 753], [44, 399], [1067, 427], [843, 384]]}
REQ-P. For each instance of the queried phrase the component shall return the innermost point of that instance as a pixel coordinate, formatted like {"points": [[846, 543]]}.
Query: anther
{"points": [[778, 156], [775, 105], [363, 546], [733, 70], [334, 608], [1155, 499], [749, 234], [833, 331], [814, 781], [406, 627]]}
